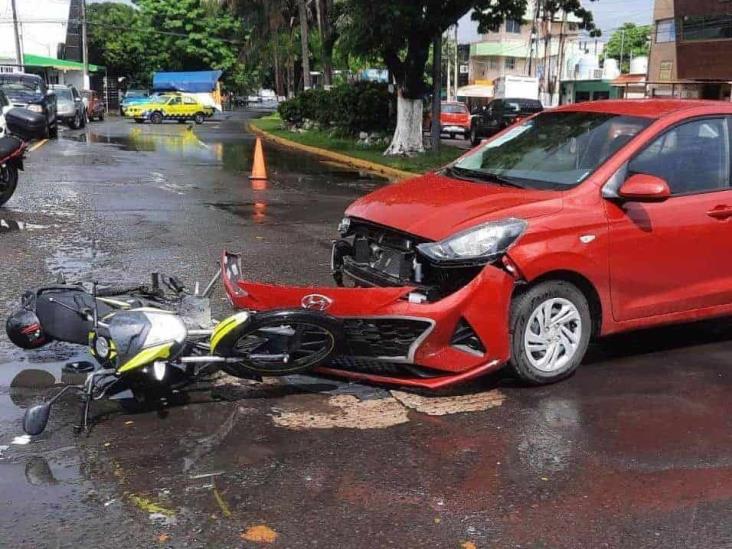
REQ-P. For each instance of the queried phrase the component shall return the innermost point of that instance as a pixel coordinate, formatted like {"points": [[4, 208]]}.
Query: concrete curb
{"points": [[392, 173]]}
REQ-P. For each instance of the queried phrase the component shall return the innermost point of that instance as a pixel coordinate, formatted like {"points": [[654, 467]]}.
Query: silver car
{"points": [[70, 107]]}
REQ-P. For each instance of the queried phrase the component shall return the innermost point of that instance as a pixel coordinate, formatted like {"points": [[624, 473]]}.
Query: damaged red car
{"points": [[579, 222]]}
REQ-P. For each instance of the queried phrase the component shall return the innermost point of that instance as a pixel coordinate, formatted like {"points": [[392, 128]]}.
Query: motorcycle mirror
{"points": [[36, 419]]}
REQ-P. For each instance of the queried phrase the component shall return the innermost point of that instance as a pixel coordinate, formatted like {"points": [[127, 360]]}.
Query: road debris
{"points": [[259, 534]]}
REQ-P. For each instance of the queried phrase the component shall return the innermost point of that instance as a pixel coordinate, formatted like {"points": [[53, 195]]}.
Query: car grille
{"points": [[383, 337], [381, 368]]}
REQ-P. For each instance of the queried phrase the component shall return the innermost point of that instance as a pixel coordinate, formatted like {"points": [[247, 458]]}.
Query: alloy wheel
{"points": [[553, 334]]}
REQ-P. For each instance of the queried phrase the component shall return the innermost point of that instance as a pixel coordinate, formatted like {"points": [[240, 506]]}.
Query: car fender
{"points": [[568, 254]]}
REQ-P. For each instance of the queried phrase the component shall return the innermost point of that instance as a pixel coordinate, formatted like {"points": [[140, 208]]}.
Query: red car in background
{"points": [[579, 222], [454, 119]]}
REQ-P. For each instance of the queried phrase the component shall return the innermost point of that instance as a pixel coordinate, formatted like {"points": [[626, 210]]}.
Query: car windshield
{"points": [[454, 109], [21, 86], [63, 94], [554, 150]]}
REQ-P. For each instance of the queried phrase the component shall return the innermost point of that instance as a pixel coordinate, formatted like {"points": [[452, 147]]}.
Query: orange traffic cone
{"points": [[258, 170]]}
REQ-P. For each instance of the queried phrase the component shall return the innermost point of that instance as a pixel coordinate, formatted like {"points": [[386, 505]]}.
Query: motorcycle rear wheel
{"points": [[281, 342], [8, 182]]}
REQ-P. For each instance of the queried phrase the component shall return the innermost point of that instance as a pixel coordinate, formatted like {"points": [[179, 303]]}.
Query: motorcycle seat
{"points": [[8, 146]]}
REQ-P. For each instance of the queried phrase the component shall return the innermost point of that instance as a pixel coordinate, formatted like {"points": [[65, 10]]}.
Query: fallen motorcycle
{"points": [[22, 126], [159, 338]]}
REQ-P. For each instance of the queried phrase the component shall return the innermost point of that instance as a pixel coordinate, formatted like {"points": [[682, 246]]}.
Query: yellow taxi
{"points": [[169, 107]]}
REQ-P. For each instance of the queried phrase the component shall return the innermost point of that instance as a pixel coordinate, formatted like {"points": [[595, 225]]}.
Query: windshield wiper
{"points": [[483, 177]]}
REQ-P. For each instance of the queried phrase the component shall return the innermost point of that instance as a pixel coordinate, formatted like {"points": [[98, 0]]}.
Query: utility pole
{"points": [[449, 67], [18, 49], [457, 62], [436, 91], [84, 51], [622, 49]]}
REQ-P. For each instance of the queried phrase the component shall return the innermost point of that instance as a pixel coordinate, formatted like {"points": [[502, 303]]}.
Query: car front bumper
{"points": [[393, 335]]}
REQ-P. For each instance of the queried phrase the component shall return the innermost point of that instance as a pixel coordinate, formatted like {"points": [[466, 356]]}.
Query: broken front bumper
{"points": [[393, 335]]}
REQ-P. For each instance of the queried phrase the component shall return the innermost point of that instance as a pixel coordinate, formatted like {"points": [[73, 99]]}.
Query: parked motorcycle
{"points": [[157, 339], [22, 125]]}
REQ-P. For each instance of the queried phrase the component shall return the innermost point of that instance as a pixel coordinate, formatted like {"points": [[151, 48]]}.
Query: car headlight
{"points": [[101, 347], [35, 108], [344, 226], [483, 243]]}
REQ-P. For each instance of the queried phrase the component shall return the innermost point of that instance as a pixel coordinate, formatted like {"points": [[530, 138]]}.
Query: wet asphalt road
{"points": [[633, 451]]}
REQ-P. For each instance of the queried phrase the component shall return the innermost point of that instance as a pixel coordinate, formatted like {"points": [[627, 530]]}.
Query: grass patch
{"points": [[321, 139]]}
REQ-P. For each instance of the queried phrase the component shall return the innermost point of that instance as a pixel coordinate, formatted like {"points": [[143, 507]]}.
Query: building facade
{"points": [[521, 48], [50, 39], [691, 49]]}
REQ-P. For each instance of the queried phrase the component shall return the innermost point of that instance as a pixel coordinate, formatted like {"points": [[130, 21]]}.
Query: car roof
{"points": [[16, 76], [645, 108]]}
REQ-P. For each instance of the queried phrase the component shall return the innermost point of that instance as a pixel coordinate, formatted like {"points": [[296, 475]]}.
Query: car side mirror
{"points": [[643, 187]]}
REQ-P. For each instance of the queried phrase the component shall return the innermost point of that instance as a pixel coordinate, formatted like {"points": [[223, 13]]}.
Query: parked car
{"points": [[497, 115], [71, 110], [454, 119], [133, 97], [170, 107], [29, 91], [94, 105], [582, 221]]}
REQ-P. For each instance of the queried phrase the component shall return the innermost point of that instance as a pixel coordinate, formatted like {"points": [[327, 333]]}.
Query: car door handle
{"points": [[720, 212]]}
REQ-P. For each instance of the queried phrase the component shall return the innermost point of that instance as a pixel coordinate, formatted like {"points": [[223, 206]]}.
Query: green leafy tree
{"points": [[117, 39], [629, 41], [153, 35]]}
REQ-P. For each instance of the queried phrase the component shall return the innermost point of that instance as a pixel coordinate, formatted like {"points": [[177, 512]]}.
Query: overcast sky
{"points": [[609, 15]]}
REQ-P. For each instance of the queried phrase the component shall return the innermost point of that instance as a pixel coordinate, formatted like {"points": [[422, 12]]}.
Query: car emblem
{"points": [[316, 302]]}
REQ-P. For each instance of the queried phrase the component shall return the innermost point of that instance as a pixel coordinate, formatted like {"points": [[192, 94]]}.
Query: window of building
{"points": [[665, 69], [493, 64], [510, 63], [665, 31], [707, 27], [513, 26]]}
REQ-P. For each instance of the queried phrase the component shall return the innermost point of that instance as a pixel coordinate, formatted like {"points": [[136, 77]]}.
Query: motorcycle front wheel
{"points": [[8, 182], [283, 342]]}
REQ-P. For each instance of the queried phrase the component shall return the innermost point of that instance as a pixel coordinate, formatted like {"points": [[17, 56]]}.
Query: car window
{"points": [[692, 157], [455, 109], [63, 93], [189, 101], [174, 101]]}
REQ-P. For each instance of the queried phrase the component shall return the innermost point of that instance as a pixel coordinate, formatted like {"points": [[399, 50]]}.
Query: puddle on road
{"points": [[11, 226]]}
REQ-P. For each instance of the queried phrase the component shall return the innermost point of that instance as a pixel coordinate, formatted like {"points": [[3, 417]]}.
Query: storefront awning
{"points": [[475, 91], [191, 82], [58, 64]]}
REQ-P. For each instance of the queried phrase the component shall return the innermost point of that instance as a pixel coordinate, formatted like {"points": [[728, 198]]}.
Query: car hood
{"points": [[434, 206]]}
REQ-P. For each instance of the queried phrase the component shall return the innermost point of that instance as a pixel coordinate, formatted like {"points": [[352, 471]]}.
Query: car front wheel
{"points": [[156, 118], [198, 119], [551, 327], [474, 139]]}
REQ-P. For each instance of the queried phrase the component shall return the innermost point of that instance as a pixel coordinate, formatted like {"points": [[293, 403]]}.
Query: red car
{"points": [[454, 119], [579, 222]]}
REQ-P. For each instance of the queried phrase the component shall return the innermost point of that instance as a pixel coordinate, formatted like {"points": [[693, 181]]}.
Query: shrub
{"points": [[348, 108]]}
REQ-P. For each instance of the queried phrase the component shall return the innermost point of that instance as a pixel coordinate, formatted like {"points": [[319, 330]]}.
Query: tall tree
{"points": [[401, 32], [629, 41], [302, 10]]}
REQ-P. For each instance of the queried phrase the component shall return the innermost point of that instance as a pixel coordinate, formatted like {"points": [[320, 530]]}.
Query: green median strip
{"points": [[320, 139]]}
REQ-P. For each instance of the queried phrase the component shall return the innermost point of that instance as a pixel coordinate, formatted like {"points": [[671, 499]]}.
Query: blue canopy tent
{"points": [[190, 82]]}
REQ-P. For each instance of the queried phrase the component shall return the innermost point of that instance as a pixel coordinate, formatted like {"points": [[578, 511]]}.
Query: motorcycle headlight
{"points": [[483, 243], [35, 108], [344, 226], [101, 347]]}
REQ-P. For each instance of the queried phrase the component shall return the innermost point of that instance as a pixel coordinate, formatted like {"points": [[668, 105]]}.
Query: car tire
{"points": [[8, 182], [199, 118], [156, 118], [83, 119], [53, 130], [474, 139], [101, 117], [545, 351]]}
